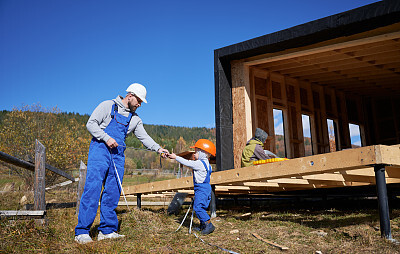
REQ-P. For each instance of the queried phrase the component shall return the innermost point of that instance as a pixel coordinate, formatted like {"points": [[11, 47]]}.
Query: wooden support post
{"points": [[382, 201], [39, 184], [213, 203], [81, 185], [139, 200]]}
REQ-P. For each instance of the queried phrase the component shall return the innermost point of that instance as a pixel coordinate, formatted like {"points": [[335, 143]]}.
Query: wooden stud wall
{"points": [[338, 81], [265, 91], [271, 90]]}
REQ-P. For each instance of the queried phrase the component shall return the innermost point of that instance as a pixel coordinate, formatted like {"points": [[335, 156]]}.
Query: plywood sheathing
{"points": [[351, 167]]}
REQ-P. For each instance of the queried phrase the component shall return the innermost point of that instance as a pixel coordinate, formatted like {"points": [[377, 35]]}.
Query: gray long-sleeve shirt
{"points": [[101, 117], [199, 171]]}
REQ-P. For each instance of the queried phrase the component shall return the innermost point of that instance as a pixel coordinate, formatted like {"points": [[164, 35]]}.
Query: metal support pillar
{"points": [[382, 201], [139, 200]]}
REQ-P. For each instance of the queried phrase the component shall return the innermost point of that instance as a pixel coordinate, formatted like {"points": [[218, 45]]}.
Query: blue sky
{"points": [[74, 54]]}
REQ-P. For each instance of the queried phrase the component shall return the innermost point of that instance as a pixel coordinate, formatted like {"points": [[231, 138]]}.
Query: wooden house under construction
{"points": [[320, 81], [340, 70]]}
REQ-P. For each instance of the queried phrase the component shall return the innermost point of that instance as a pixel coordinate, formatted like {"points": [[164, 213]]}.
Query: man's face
{"points": [[134, 102]]}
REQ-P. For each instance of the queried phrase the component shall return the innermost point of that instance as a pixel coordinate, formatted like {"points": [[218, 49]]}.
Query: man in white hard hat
{"points": [[109, 124]]}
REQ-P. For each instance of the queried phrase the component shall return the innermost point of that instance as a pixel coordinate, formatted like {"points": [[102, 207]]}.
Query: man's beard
{"points": [[131, 107]]}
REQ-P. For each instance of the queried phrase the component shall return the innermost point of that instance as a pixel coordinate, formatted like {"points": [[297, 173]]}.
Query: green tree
{"points": [[65, 140]]}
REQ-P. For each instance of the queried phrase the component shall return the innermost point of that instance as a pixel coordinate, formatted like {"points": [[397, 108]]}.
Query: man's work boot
{"points": [[83, 238], [200, 228], [113, 235], [209, 228]]}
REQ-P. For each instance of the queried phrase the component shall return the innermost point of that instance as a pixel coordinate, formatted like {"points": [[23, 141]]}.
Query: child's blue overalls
{"points": [[101, 171], [202, 196]]}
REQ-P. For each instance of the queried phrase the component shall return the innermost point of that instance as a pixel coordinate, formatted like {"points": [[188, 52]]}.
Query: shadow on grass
{"points": [[331, 214], [94, 230], [322, 219]]}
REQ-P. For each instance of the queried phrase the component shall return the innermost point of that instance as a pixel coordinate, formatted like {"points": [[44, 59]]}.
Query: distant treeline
{"points": [[166, 136]]}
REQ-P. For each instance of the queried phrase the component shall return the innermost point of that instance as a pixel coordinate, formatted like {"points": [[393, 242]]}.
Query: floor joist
{"points": [[352, 167]]}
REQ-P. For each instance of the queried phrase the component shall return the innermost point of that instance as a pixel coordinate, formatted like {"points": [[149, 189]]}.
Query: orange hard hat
{"points": [[206, 145]]}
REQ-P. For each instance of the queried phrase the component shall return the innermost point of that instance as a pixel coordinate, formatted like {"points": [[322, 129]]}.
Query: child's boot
{"points": [[209, 228], [200, 228]]}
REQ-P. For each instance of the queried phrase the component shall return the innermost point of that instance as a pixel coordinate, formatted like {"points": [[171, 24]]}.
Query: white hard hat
{"points": [[138, 90]]}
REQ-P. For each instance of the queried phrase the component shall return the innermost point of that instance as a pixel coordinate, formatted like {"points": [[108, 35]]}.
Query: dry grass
{"points": [[153, 231]]}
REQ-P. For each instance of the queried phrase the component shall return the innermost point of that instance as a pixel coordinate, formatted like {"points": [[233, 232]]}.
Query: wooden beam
{"points": [[22, 213], [61, 184], [39, 184], [81, 185], [345, 160], [318, 50], [30, 166], [241, 109], [271, 243], [17, 162]]}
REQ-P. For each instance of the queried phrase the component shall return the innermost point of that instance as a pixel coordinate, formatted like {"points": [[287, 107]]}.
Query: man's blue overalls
{"points": [[202, 196], [101, 171]]}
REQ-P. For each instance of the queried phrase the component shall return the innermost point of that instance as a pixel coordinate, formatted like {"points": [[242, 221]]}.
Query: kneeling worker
{"points": [[254, 149], [201, 180]]}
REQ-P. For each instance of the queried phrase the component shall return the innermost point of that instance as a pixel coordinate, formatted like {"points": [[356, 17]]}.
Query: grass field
{"points": [[302, 230]]}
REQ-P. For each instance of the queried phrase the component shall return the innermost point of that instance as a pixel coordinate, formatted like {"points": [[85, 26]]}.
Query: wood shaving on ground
{"points": [[269, 242]]}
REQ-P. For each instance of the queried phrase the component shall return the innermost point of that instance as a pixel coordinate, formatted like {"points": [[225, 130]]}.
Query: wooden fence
{"points": [[39, 166]]}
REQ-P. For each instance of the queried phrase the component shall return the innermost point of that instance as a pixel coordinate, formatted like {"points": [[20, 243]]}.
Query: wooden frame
{"points": [[351, 167]]}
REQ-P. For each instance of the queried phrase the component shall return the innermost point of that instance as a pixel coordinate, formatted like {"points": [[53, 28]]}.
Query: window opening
{"points": [[355, 135], [332, 135], [279, 133], [307, 135]]}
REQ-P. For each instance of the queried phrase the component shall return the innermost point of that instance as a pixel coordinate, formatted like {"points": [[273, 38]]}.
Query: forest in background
{"points": [[67, 140]]}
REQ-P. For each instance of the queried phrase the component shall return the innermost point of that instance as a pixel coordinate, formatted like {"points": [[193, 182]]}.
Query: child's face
{"points": [[196, 154]]}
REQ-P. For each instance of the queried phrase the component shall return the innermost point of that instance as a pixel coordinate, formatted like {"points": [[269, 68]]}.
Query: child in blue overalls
{"points": [[201, 180]]}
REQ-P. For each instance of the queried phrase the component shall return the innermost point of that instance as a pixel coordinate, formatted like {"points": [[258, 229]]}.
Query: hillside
{"points": [[65, 134]]}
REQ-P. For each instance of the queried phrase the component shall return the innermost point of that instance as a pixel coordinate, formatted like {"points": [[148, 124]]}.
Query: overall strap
{"points": [[205, 165], [113, 112]]}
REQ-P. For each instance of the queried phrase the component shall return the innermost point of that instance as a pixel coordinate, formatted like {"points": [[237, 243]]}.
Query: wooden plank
{"points": [[322, 163], [318, 50], [59, 172], [81, 185], [61, 184], [388, 155], [22, 213], [270, 243], [340, 178], [39, 184], [145, 203], [390, 172], [260, 184], [17, 162], [30, 166]]}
